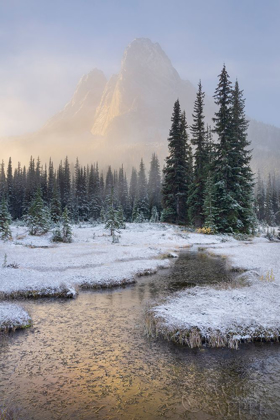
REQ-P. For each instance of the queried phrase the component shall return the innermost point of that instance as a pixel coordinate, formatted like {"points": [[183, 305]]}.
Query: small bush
{"points": [[205, 230]]}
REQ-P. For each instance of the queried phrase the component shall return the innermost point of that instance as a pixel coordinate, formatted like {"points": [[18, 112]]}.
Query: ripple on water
{"points": [[88, 359]]}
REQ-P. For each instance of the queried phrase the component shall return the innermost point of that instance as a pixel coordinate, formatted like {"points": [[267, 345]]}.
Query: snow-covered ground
{"points": [[227, 316], [34, 266], [12, 317]]}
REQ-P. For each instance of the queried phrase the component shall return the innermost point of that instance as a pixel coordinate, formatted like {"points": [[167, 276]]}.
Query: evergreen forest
{"points": [[206, 181]]}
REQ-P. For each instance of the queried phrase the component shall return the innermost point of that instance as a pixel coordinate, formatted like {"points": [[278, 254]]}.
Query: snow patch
{"points": [[13, 317], [233, 315]]}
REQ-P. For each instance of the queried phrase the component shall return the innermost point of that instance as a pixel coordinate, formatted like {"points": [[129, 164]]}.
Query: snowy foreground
{"points": [[224, 316], [35, 267]]}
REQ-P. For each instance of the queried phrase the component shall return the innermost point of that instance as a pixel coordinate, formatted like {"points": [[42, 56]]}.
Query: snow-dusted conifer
{"points": [[154, 184], [120, 217], [112, 222], [196, 193], [38, 217], [209, 205], [66, 227], [175, 179], [55, 205], [142, 202], [5, 220], [154, 215], [227, 216]]}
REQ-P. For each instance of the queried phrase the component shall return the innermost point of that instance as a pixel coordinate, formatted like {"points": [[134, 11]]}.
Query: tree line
{"points": [[84, 191], [267, 200], [206, 182], [213, 186]]}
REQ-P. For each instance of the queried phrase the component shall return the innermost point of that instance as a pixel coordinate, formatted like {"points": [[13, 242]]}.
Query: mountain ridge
{"points": [[127, 117]]}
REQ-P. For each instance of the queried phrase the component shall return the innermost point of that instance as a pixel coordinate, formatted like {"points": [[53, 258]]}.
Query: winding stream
{"points": [[88, 359]]}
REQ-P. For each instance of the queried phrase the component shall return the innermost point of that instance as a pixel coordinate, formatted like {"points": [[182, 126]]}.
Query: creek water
{"points": [[89, 359]]}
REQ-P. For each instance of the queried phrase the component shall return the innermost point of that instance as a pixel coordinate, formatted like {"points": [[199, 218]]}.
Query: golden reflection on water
{"points": [[88, 359]]}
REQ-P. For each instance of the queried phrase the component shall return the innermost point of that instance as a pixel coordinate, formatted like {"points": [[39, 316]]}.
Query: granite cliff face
{"points": [[78, 113], [128, 117]]}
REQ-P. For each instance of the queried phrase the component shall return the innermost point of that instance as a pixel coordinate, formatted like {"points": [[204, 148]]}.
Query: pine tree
{"points": [[269, 213], [142, 202], [210, 210], [127, 202], [55, 210], [260, 199], [3, 184], [38, 218], [94, 193], [120, 217], [31, 187], [133, 188], [10, 188], [56, 233], [196, 195], [121, 188], [81, 206], [66, 197], [51, 180], [154, 215], [112, 222], [275, 199], [242, 175], [109, 182], [209, 149], [66, 227], [175, 184], [38, 173], [5, 220], [154, 184], [225, 183]]}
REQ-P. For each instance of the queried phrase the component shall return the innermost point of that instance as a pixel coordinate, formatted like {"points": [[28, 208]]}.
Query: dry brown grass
{"points": [[156, 327]]}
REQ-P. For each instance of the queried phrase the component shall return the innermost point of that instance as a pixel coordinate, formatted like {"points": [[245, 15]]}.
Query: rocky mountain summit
{"points": [[128, 117]]}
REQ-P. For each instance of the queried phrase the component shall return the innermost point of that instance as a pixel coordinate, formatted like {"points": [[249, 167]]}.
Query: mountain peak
{"points": [[144, 55], [87, 83], [80, 111]]}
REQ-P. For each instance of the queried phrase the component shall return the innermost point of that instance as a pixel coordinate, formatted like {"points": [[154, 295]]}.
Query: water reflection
{"points": [[88, 359]]}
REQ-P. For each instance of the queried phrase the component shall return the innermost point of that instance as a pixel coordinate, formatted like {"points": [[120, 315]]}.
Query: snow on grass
{"points": [[13, 317], [226, 317], [33, 267], [36, 267]]}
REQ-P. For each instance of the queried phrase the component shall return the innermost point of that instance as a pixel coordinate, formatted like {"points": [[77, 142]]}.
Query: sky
{"points": [[47, 45]]}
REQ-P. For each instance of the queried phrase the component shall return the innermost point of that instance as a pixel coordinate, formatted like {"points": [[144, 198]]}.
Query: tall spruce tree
{"points": [[242, 175], [19, 187], [269, 213], [225, 183], [154, 184], [175, 185], [133, 188], [5, 220], [142, 203], [55, 204], [10, 194], [3, 184], [210, 210], [196, 195], [260, 199]]}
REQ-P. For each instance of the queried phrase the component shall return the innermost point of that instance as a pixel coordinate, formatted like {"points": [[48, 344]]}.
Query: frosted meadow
{"points": [[244, 311]]}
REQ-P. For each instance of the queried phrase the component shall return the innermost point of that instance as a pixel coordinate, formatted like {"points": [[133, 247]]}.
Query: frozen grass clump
{"points": [[13, 317]]}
